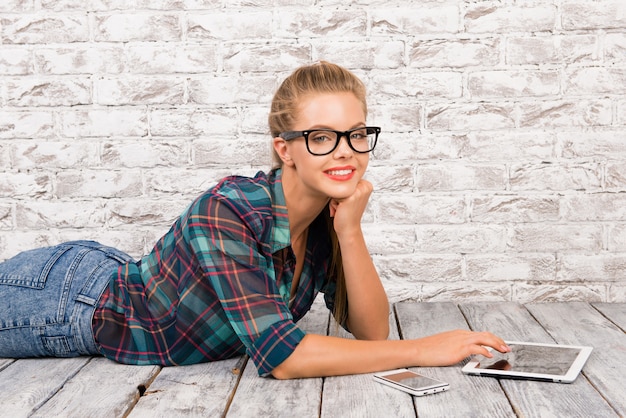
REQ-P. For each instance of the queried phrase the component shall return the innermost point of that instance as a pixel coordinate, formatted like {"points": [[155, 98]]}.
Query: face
{"points": [[334, 175]]}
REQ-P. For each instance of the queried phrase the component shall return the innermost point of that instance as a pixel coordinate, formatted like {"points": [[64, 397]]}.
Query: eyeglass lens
{"points": [[325, 141]]}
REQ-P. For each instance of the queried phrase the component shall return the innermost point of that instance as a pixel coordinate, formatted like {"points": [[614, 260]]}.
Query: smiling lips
{"points": [[341, 174]]}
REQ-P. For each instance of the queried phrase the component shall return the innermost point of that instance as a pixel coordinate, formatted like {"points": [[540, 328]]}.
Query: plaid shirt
{"points": [[217, 284]]}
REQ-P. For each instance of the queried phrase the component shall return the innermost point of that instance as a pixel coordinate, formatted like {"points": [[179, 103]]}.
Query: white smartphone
{"points": [[411, 382]]}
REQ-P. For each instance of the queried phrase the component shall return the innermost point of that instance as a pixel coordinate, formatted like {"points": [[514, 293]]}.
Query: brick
{"points": [[616, 242], [6, 216], [54, 154], [48, 92], [98, 184], [412, 271], [134, 154], [593, 144], [401, 117], [104, 122], [407, 86], [558, 293], [559, 49], [459, 176], [237, 151], [616, 176], [140, 90], [581, 113], [26, 124], [167, 59], [229, 26], [388, 240], [617, 293], [25, 185], [490, 18], [15, 61], [594, 207], [508, 146], [571, 238], [583, 81], [194, 122], [461, 239], [80, 59], [39, 29], [594, 268], [314, 23], [443, 18], [409, 209], [464, 291], [501, 209], [128, 27], [46, 215], [510, 84], [454, 53], [263, 58], [143, 212], [232, 90], [552, 176], [391, 179], [17, 6], [361, 54], [254, 120], [605, 14], [13, 242], [518, 267], [190, 182], [402, 147], [473, 116], [615, 47], [621, 112]]}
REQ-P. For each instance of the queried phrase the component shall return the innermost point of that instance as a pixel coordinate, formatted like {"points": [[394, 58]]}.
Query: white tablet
{"points": [[534, 361]]}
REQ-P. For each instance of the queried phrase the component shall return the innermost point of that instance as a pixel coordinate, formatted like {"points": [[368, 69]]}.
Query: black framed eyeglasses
{"points": [[324, 141]]}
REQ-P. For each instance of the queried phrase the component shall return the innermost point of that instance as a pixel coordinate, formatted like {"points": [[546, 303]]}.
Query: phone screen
{"points": [[413, 380]]}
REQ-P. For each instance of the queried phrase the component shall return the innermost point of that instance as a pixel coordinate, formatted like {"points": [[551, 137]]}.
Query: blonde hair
{"points": [[321, 77]]}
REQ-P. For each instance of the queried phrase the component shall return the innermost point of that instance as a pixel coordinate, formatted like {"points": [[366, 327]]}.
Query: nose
{"points": [[343, 147]]}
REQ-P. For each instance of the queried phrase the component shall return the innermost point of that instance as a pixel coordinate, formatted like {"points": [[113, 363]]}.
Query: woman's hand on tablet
{"points": [[451, 347]]}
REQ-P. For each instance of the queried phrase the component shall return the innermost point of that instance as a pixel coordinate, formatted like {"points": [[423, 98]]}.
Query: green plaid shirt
{"points": [[217, 284]]}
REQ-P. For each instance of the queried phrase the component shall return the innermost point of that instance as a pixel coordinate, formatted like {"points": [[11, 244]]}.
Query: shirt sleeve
{"points": [[229, 248]]}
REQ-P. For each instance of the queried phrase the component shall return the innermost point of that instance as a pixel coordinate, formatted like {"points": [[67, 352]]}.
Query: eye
{"points": [[321, 136], [359, 135]]}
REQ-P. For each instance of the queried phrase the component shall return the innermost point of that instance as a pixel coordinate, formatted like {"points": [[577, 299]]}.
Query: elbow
{"points": [[282, 372]]}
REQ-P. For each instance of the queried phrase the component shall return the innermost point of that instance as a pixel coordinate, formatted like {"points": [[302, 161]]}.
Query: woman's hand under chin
{"points": [[347, 212]]}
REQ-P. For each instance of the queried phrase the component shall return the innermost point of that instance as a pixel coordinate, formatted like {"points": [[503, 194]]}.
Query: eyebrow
{"points": [[355, 126]]}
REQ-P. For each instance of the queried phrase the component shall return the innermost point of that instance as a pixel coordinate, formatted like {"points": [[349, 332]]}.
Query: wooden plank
{"points": [[27, 384], [615, 312], [466, 396], [512, 321], [101, 388], [580, 324], [4, 362], [360, 396], [267, 397], [199, 390]]}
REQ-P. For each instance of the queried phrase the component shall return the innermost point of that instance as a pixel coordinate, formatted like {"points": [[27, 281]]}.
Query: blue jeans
{"points": [[48, 297]]}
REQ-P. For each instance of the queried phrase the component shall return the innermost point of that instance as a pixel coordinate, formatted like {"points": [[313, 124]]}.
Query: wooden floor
{"points": [[96, 387]]}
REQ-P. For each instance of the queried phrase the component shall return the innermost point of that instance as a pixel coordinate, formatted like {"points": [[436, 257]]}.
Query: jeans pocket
{"points": [[30, 268]]}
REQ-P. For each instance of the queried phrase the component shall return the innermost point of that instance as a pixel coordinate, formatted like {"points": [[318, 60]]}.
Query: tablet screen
{"points": [[532, 359]]}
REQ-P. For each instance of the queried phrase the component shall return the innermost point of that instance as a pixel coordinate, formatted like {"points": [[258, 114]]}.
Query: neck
{"points": [[302, 207]]}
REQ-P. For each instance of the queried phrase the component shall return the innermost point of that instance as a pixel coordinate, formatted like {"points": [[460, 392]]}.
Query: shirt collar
{"points": [[281, 236]]}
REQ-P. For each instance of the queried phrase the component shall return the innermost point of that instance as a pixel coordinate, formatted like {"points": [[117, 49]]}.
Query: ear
{"points": [[282, 150]]}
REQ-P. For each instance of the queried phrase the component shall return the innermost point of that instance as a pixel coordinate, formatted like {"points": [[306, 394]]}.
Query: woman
{"points": [[240, 266]]}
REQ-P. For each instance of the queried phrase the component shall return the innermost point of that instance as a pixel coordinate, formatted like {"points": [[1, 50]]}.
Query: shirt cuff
{"points": [[274, 346]]}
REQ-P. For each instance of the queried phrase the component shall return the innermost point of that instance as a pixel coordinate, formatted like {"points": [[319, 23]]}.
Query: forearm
{"points": [[368, 306], [318, 355]]}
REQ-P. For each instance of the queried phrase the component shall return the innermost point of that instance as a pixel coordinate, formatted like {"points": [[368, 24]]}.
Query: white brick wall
{"points": [[500, 174]]}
